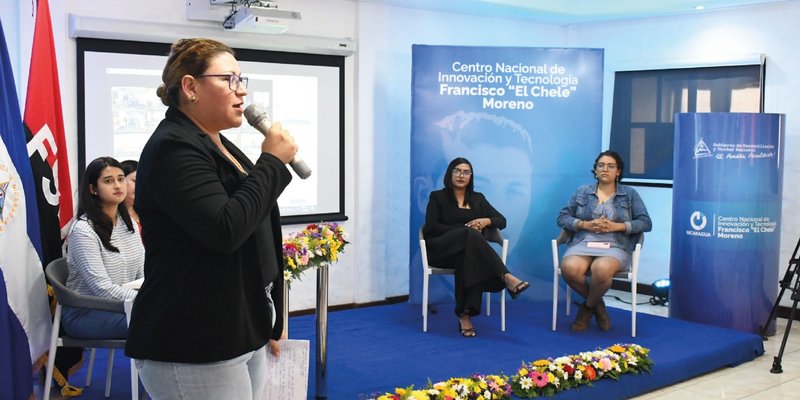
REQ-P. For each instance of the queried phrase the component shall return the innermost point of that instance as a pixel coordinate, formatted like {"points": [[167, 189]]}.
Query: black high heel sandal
{"points": [[517, 290], [467, 332]]}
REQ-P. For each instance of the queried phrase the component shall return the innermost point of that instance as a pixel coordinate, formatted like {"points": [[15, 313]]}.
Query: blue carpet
{"points": [[379, 348], [375, 349]]}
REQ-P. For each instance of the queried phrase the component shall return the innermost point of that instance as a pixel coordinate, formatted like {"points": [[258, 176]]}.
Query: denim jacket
{"points": [[628, 208]]}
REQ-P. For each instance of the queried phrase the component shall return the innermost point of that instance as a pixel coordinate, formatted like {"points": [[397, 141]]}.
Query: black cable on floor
{"points": [[653, 300]]}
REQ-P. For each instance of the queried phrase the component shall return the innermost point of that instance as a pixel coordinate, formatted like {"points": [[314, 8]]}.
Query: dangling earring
{"points": [[193, 99]]}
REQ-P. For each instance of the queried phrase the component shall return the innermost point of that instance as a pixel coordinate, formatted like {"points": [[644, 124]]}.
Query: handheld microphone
{"points": [[258, 119]]}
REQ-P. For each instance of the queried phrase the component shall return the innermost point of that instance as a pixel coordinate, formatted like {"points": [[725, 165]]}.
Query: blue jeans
{"points": [[240, 378], [81, 323]]}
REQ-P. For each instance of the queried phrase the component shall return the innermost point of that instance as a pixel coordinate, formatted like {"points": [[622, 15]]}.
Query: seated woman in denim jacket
{"points": [[604, 219]]}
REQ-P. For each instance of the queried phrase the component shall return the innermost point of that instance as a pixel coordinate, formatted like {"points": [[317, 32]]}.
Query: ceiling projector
{"points": [[260, 20]]}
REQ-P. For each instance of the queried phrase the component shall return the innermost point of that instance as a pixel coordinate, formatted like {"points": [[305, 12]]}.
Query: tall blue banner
{"points": [[727, 195], [529, 121]]}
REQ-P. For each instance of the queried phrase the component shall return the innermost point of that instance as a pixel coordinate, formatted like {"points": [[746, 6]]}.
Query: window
{"points": [[645, 103]]}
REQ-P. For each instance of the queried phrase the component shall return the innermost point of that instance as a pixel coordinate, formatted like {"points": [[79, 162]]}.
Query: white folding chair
{"points": [[495, 236], [629, 276]]}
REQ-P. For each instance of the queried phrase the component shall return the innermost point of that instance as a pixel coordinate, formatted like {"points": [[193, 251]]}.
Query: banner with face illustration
{"points": [[726, 215], [529, 122]]}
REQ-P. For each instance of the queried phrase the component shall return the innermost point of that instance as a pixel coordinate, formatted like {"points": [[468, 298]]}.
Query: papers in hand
{"points": [[287, 375], [135, 285]]}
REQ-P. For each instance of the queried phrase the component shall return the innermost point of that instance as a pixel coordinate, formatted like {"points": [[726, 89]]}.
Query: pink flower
{"points": [[605, 364], [539, 378]]}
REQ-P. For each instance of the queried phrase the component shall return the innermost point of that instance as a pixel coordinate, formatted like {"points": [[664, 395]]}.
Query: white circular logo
{"points": [[9, 197], [698, 221]]}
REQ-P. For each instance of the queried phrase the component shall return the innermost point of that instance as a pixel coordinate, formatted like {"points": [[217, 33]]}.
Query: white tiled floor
{"points": [[752, 380]]}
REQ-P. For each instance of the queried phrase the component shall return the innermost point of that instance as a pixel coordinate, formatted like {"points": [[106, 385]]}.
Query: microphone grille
{"points": [[253, 113]]}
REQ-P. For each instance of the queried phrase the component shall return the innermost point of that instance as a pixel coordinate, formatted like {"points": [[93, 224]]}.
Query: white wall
{"points": [[375, 265]]}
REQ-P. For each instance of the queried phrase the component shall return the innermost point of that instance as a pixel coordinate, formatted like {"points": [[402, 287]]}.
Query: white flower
{"points": [[526, 382], [487, 395], [461, 389], [578, 375], [287, 276]]}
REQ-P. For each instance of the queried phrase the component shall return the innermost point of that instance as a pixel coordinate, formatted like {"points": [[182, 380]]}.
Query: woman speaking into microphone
{"points": [[206, 313]]}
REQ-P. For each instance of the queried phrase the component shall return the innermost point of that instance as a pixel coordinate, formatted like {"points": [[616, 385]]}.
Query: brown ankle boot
{"points": [[601, 315], [582, 320]]}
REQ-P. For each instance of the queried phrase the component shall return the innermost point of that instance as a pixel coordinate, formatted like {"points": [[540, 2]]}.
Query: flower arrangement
{"points": [[488, 387], [539, 378], [313, 247], [548, 376]]}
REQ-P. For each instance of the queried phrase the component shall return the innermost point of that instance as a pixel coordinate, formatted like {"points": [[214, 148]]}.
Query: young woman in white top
{"points": [[104, 251]]}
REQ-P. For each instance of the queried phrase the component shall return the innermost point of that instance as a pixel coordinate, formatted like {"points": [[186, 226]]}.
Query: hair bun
{"points": [[161, 92]]}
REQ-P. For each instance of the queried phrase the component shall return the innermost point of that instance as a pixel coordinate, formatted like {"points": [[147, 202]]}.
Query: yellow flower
{"points": [[541, 363], [617, 348], [523, 372], [419, 395], [400, 391], [550, 378]]}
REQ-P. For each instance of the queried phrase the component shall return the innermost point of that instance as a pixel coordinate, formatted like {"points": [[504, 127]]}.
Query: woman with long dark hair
{"points": [[454, 223], [129, 169], [604, 219], [104, 251]]}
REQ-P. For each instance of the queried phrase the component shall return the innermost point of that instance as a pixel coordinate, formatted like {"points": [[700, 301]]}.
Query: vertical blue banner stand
{"points": [[726, 212]]}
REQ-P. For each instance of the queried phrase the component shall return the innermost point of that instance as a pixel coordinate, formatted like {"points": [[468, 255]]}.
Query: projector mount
{"points": [[261, 16]]}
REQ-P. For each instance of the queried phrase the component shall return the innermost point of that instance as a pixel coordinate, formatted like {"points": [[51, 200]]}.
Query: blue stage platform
{"points": [[375, 349]]}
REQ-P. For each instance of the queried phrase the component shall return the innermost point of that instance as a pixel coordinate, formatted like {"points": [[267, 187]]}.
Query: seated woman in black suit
{"points": [[454, 221]]}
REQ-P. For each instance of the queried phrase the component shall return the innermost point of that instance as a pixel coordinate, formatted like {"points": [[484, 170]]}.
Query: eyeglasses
{"points": [[233, 80], [605, 166], [458, 172]]}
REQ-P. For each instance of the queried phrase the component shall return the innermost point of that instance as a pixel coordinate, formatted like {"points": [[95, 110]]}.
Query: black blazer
{"points": [[212, 239], [442, 214]]}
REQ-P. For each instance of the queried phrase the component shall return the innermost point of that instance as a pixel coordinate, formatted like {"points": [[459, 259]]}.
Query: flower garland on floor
{"points": [[313, 247], [546, 377], [539, 378], [488, 387]]}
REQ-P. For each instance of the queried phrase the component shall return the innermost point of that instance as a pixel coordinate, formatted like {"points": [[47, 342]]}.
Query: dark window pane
{"points": [[645, 103]]}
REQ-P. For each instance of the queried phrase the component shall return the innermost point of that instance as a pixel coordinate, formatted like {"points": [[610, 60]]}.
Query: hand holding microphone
{"points": [[258, 119]]}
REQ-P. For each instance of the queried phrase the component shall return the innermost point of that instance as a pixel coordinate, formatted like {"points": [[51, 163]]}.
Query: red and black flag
{"points": [[44, 131]]}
